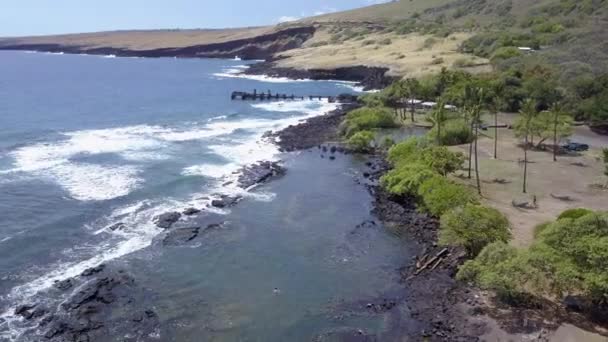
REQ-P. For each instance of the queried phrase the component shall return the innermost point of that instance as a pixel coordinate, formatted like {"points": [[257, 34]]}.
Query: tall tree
{"points": [[562, 126], [476, 117], [605, 157], [412, 90], [438, 117], [528, 113]]}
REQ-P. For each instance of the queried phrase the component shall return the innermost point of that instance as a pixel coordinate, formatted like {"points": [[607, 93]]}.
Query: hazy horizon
{"points": [[40, 17]]}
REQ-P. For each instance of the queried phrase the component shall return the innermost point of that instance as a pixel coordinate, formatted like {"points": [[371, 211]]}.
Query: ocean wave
{"points": [[88, 181]]}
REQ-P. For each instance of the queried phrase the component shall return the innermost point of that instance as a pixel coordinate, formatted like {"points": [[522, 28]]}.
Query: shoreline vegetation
{"points": [[563, 269], [509, 217]]}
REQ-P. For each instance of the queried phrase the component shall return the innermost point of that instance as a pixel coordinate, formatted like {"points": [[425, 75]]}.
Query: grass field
{"points": [[573, 176]]}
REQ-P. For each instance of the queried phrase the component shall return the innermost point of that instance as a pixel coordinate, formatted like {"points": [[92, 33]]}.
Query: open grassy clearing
{"points": [[572, 176], [412, 55]]}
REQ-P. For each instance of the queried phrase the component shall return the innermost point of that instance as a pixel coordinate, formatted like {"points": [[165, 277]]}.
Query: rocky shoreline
{"points": [[440, 308], [369, 77]]}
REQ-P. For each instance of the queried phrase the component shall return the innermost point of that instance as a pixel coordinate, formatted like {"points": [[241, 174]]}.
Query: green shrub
{"points": [[361, 141], [506, 52], [463, 63], [406, 179], [539, 228], [388, 143], [367, 118], [473, 227], [439, 195], [441, 160], [501, 268], [574, 213], [453, 132], [405, 151], [568, 257], [418, 150]]}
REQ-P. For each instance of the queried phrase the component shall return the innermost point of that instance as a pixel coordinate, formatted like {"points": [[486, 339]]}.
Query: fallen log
{"points": [[439, 256]]}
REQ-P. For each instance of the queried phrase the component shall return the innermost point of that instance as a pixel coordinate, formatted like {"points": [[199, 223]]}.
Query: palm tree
{"points": [[411, 90], [560, 118], [528, 112], [438, 117]]}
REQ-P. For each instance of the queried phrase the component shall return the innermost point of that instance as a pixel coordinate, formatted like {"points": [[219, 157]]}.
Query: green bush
{"points": [[501, 268], [569, 256], [439, 195], [574, 213], [506, 52], [388, 143], [418, 150], [406, 179], [453, 132], [361, 141], [441, 160], [367, 118], [473, 227], [405, 151], [538, 229]]}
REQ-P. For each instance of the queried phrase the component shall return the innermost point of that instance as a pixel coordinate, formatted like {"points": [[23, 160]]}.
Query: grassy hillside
{"points": [[413, 37]]}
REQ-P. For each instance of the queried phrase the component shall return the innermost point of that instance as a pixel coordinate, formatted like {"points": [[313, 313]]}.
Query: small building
{"points": [[525, 49]]}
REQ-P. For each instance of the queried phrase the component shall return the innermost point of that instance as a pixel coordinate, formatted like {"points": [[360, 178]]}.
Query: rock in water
{"points": [[166, 220], [225, 201], [181, 236], [92, 271], [259, 173], [191, 211]]}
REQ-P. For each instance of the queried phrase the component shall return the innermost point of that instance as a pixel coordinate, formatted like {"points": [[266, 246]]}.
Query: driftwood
{"points": [[564, 198], [433, 261]]}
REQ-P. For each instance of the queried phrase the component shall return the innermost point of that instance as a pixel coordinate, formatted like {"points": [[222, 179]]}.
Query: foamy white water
{"points": [[85, 181]]}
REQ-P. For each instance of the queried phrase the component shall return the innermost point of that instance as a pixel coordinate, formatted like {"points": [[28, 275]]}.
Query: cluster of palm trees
{"points": [[474, 100]]}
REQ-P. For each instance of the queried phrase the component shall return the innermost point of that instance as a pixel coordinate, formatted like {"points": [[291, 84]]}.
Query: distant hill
{"points": [[409, 37]]}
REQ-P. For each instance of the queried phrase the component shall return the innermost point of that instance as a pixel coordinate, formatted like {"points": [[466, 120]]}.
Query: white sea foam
{"points": [[210, 170], [109, 56]]}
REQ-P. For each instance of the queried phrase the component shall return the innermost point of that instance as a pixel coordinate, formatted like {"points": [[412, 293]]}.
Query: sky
{"points": [[41, 17]]}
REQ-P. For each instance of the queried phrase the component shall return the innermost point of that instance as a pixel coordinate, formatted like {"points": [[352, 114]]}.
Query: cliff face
{"points": [[258, 47]]}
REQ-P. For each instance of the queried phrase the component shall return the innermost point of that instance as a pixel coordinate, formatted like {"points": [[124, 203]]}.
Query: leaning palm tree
{"points": [[438, 117], [528, 112]]}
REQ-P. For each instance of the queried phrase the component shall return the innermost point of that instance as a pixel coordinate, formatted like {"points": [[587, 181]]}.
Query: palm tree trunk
{"points": [[438, 133], [470, 153], [413, 111], [477, 161], [526, 164], [496, 135], [555, 139]]}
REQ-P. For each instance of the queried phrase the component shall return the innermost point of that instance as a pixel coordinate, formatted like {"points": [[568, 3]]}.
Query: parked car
{"points": [[575, 147]]}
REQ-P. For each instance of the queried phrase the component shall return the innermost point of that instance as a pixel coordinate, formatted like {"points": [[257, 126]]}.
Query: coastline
{"points": [[443, 308]]}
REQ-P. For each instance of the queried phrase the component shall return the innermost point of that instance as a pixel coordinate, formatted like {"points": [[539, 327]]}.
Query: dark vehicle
{"points": [[575, 147]]}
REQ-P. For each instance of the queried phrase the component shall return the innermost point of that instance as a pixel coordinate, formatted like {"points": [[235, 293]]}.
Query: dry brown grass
{"points": [[146, 40], [406, 55], [566, 177]]}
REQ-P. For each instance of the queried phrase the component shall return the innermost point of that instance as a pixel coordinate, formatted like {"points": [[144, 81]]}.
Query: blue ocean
{"points": [[87, 142]]}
